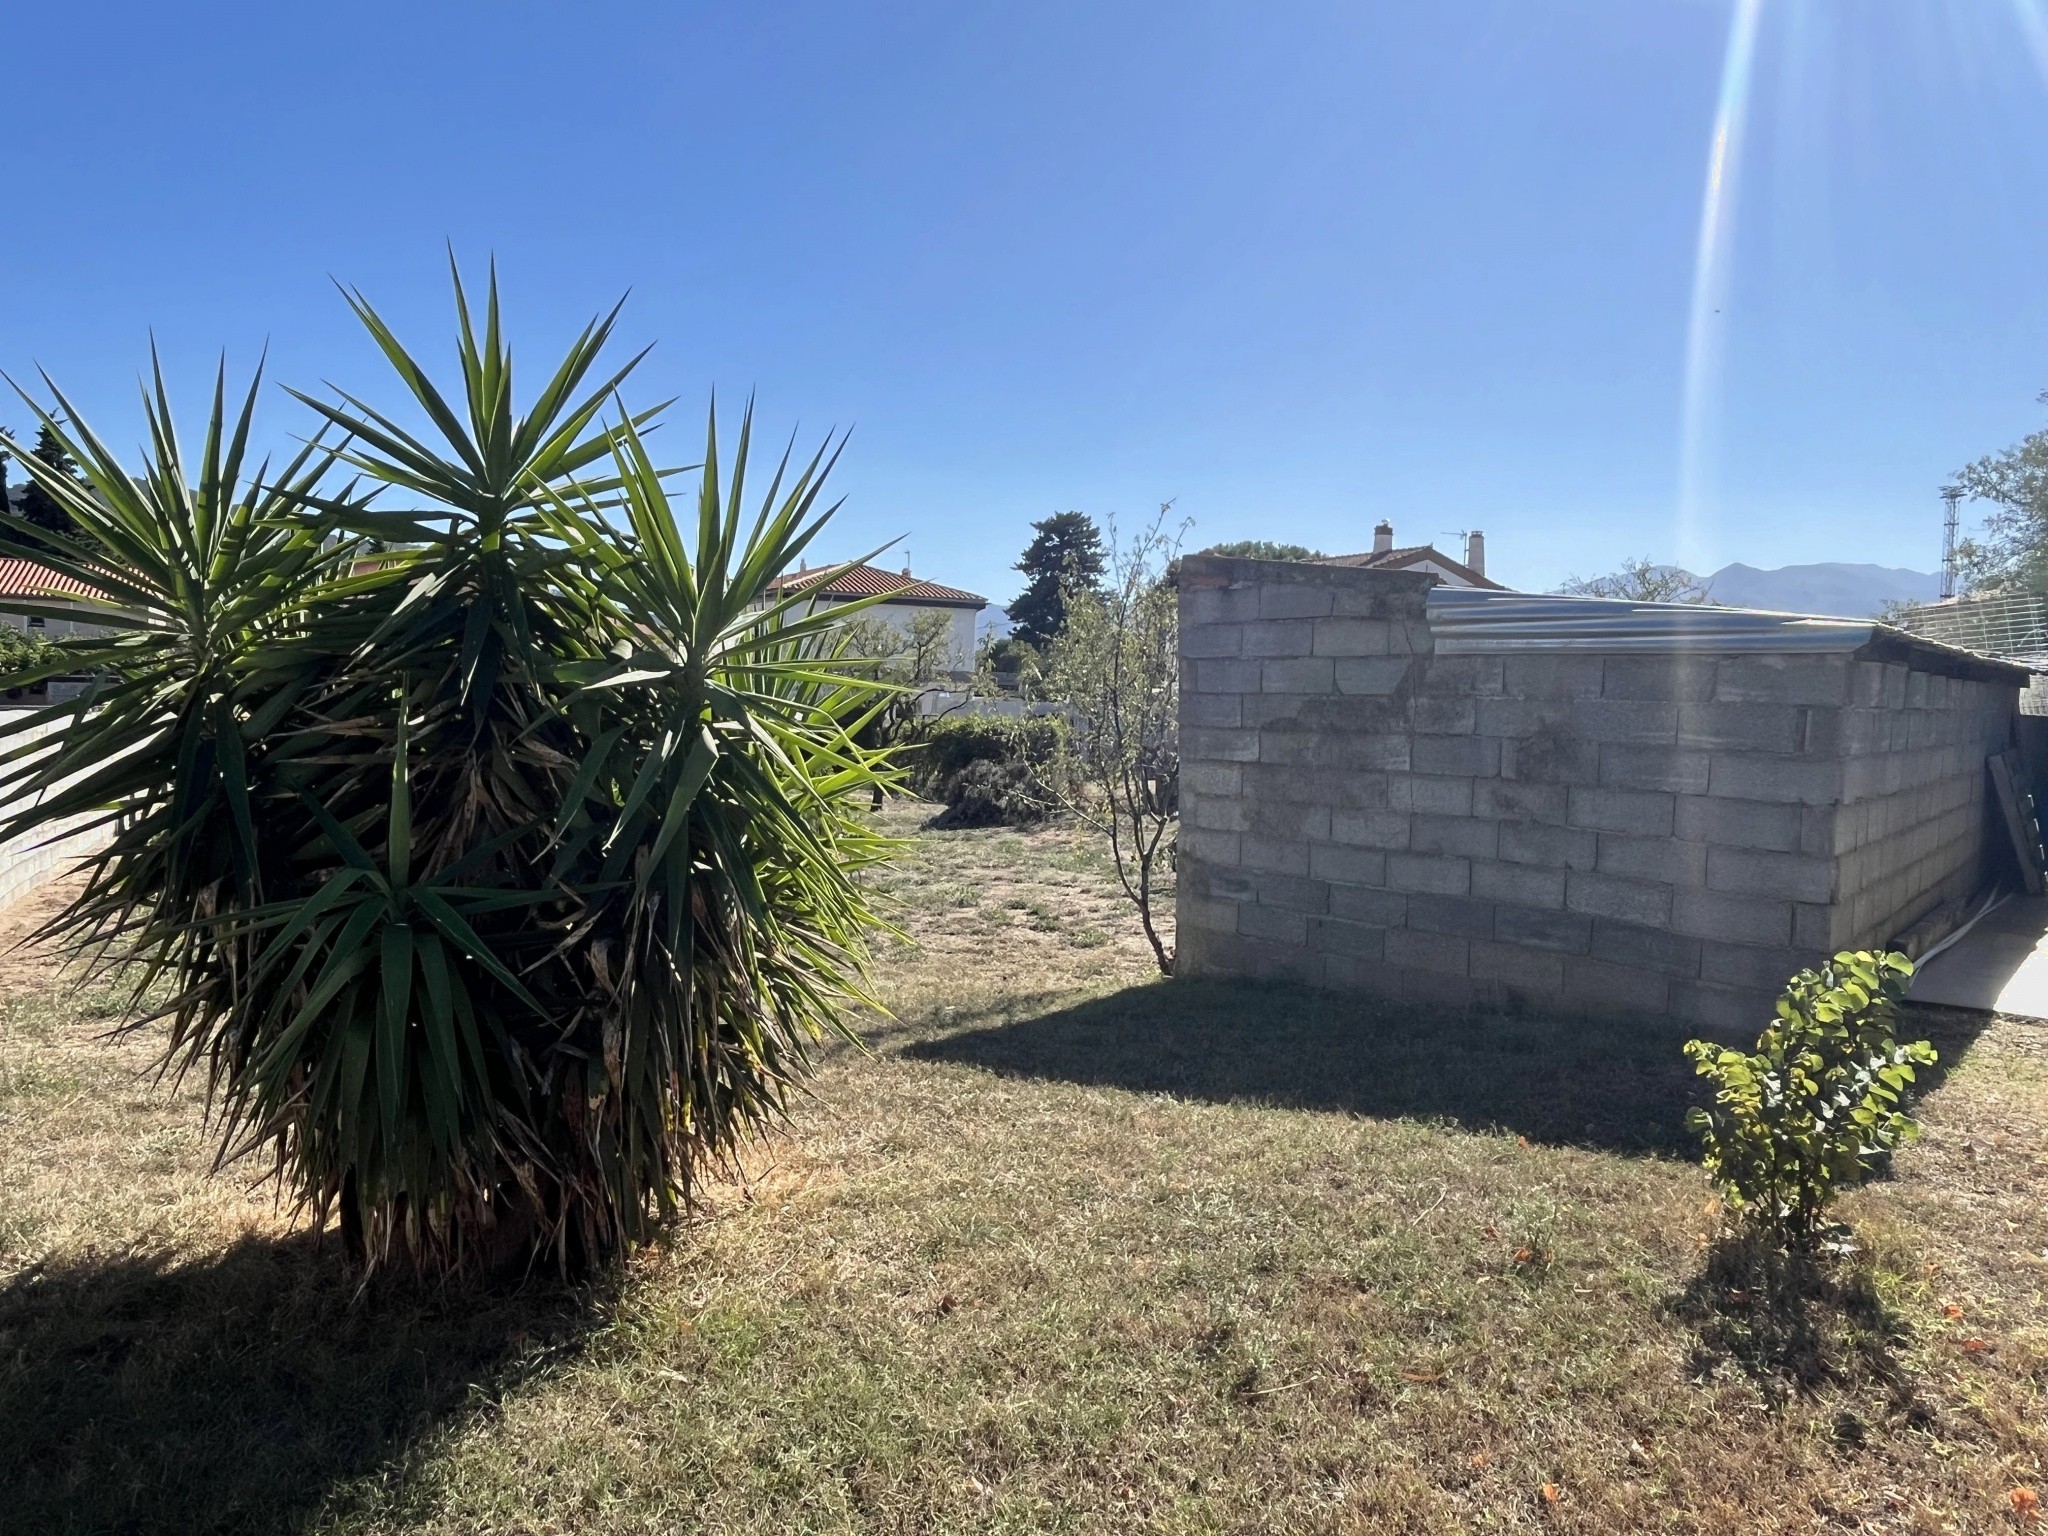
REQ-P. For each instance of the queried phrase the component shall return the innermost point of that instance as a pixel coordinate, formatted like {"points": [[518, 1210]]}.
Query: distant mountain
{"points": [[1836, 588]]}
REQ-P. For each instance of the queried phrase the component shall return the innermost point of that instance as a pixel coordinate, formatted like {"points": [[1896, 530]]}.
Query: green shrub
{"points": [[1816, 1106], [992, 794], [950, 744], [498, 885]]}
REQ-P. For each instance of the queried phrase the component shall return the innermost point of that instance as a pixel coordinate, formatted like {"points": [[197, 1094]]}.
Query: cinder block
{"points": [[1240, 954], [1732, 1014], [1212, 640], [1676, 769], [1628, 722], [1523, 884], [1433, 796], [1210, 778], [1822, 927], [1370, 675], [1463, 836], [1782, 679], [1288, 820], [1471, 677], [1740, 727], [1646, 949], [1349, 866], [1598, 987], [1755, 872], [1191, 912], [1297, 894], [1351, 637], [1866, 684], [1820, 731], [1754, 966], [1652, 858], [1429, 875], [1733, 919], [1790, 781], [1224, 675], [1827, 830], [1211, 847], [1517, 717], [1552, 676], [1206, 709], [1299, 674], [1375, 908], [1464, 756], [1451, 914], [1443, 717], [1676, 677], [1206, 744], [1275, 637], [1289, 600], [1535, 972], [1566, 933], [1430, 989], [1263, 782], [1629, 901], [1641, 813], [1217, 605], [1371, 829], [1738, 823], [1439, 952], [1275, 855], [1216, 813], [1335, 936], [1513, 800], [1280, 925], [1556, 847], [1551, 756]]}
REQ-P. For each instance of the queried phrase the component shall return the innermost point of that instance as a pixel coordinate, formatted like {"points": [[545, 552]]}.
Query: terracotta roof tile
{"points": [[25, 578], [849, 581]]}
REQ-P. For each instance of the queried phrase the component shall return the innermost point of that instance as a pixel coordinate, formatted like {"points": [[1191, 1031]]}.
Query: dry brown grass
{"points": [[1071, 1249]]}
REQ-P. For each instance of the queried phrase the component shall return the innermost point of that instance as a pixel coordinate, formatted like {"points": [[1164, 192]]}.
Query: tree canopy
{"points": [[1262, 549], [36, 505], [1064, 556], [2012, 550], [1640, 581]]}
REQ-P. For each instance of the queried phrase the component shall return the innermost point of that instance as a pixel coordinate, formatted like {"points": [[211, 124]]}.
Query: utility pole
{"points": [[1952, 497]]}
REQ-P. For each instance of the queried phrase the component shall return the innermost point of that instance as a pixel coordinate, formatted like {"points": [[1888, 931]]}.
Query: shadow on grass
{"points": [[1617, 1086], [1795, 1324], [144, 1393]]}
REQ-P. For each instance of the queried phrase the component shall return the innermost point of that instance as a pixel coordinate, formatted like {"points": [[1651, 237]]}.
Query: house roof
{"points": [[1412, 555], [850, 581], [26, 578]]}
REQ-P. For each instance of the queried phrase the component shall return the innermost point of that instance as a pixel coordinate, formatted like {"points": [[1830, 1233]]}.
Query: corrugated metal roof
{"points": [[26, 578], [1468, 621], [848, 581]]}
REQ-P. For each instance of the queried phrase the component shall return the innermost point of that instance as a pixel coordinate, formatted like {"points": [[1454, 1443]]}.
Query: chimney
{"points": [[1383, 537], [1475, 552]]}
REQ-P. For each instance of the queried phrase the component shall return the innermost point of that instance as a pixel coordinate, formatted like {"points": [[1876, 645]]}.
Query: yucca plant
{"points": [[496, 854]]}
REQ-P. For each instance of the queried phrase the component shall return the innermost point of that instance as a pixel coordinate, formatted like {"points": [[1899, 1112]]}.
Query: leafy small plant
{"points": [[1816, 1106]]}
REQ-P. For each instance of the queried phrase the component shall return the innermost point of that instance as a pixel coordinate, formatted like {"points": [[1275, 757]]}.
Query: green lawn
{"points": [[1072, 1249]]}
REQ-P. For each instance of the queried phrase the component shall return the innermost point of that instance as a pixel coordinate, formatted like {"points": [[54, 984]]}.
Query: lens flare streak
{"points": [[1711, 263]]}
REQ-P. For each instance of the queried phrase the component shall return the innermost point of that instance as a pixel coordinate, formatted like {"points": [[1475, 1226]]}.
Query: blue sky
{"points": [[1296, 266]]}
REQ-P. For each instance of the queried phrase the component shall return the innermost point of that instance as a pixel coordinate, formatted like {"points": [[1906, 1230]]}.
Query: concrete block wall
{"points": [[26, 862], [1667, 834]]}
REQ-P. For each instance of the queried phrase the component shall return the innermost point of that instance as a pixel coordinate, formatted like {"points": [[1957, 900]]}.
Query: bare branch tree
{"points": [[1117, 665]]}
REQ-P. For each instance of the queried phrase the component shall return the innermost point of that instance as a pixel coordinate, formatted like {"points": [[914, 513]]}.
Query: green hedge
{"points": [[989, 769]]}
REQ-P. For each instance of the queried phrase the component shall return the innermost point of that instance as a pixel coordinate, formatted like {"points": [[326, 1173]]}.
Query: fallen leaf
{"points": [[1521, 1141], [1479, 1458], [2026, 1505], [1550, 1493], [1950, 1309], [1492, 1230], [947, 1303], [1524, 1255], [1424, 1378], [1976, 1346]]}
